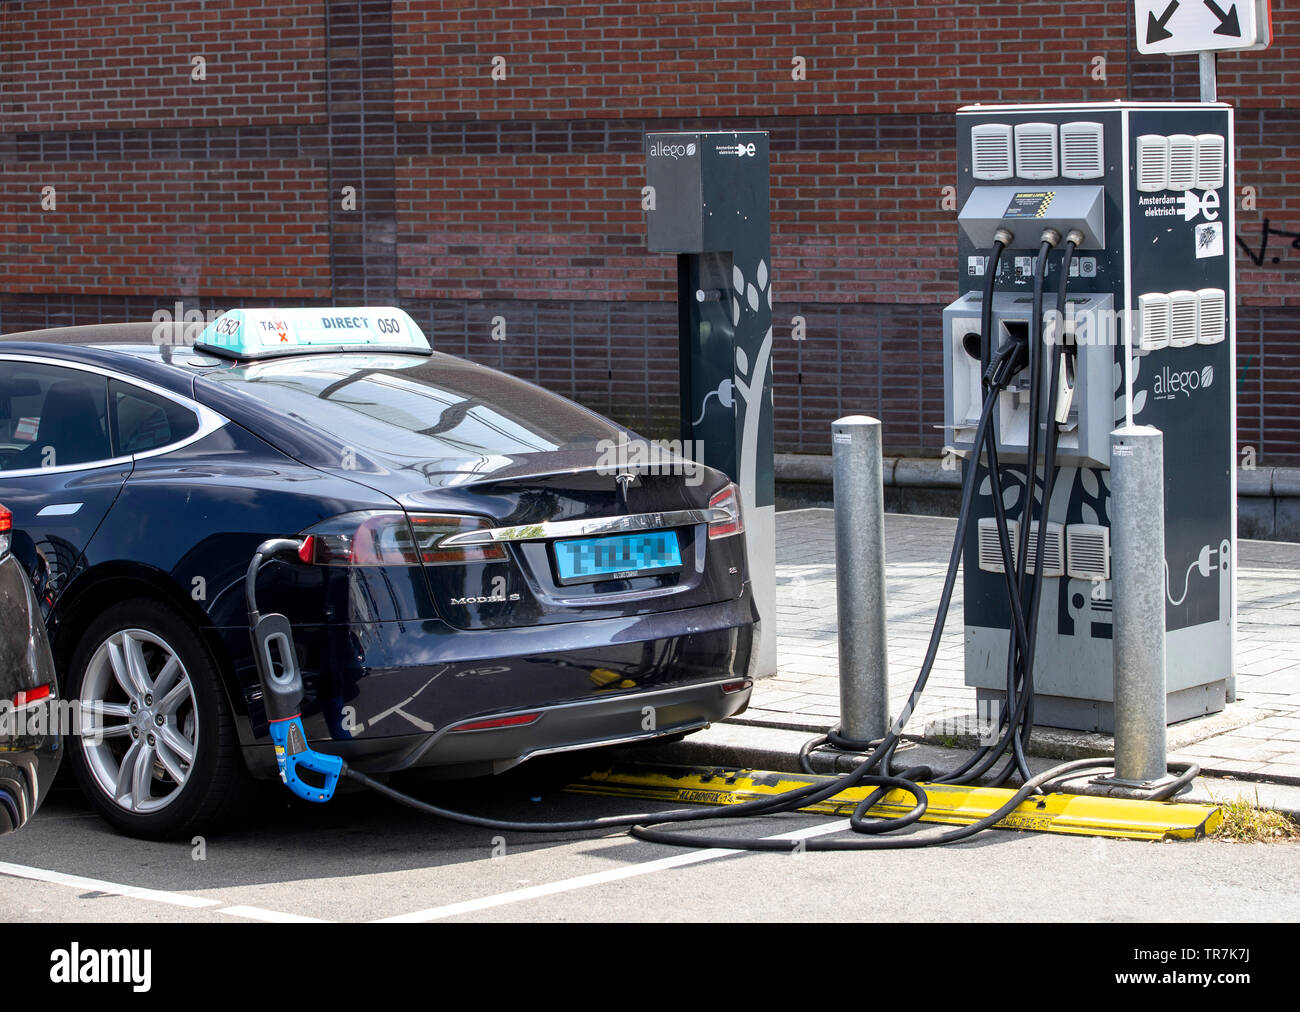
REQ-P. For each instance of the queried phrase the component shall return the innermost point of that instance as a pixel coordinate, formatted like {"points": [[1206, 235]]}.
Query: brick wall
{"points": [[733, 57], [518, 196], [195, 228], [93, 65]]}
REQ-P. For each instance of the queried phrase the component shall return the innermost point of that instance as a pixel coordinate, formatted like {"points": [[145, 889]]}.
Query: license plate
{"points": [[586, 559]]}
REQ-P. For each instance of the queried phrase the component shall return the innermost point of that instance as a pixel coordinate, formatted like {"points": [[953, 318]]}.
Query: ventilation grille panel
{"points": [[1036, 150], [1153, 311], [1081, 151], [1182, 162], [1213, 316], [990, 552], [1088, 551], [1153, 163], [1053, 550], [1183, 327], [990, 145], [1209, 162]]}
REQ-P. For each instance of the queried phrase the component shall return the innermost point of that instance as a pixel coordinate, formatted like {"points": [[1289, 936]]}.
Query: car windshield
{"points": [[401, 407]]}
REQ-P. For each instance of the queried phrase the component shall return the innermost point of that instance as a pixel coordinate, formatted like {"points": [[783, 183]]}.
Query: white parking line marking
{"points": [[112, 888], [151, 895], [597, 878], [258, 914]]}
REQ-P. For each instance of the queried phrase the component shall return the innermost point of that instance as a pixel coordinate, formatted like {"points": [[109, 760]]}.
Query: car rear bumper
{"points": [[567, 727]]}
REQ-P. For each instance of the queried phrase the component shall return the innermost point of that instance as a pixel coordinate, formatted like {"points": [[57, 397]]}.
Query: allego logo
{"points": [[663, 149], [1169, 383]]}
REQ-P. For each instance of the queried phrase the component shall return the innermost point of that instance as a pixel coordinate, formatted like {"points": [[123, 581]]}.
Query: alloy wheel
{"points": [[140, 727]]}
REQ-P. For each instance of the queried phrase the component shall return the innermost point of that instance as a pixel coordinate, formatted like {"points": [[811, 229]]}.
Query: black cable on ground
{"points": [[1032, 786]]}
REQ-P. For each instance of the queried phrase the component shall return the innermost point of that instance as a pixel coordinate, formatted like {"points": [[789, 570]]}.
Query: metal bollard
{"points": [[1137, 535], [860, 577]]}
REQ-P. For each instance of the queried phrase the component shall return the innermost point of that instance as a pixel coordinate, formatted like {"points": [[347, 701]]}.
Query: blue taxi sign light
{"points": [[270, 333]]}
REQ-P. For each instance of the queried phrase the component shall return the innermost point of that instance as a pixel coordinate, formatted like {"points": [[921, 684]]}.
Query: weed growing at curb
{"points": [[1246, 821]]}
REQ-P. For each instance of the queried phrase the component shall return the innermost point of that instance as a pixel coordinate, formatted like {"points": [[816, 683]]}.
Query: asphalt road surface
{"points": [[363, 858]]}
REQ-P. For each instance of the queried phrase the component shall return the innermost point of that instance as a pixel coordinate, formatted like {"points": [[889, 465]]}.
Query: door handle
{"points": [[61, 509]]}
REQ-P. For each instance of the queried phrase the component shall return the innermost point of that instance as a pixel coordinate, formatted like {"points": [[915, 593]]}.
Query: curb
{"points": [[1064, 744]]}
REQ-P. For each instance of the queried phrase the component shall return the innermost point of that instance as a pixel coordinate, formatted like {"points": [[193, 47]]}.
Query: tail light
{"points": [[6, 529], [29, 697], [728, 500], [394, 539]]}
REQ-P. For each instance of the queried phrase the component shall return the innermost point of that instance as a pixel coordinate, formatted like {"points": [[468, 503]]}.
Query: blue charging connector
{"points": [[293, 754], [277, 669]]}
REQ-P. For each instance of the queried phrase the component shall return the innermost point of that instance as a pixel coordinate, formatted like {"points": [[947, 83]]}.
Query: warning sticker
{"points": [[1209, 240], [26, 429], [1029, 205]]}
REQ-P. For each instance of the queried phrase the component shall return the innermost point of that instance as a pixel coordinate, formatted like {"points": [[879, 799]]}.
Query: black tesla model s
{"points": [[481, 580]]}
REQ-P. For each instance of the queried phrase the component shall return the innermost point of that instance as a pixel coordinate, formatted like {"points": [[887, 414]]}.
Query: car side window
{"points": [[52, 417], [144, 421]]}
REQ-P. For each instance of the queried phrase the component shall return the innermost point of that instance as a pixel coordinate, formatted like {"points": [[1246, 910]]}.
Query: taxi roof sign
{"points": [[270, 333]]}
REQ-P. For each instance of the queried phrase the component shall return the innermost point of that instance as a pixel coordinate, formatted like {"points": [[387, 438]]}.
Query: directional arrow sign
{"points": [[1156, 30], [1229, 25], [1170, 27]]}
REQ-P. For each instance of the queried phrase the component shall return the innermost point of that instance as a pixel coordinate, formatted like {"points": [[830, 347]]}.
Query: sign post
{"points": [[1209, 77]]}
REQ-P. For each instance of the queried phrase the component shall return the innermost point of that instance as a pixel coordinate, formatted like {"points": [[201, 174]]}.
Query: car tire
{"points": [[166, 765]]}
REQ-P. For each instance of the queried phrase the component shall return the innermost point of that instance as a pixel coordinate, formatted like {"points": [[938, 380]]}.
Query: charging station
{"points": [[707, 202], [1145, 190]]}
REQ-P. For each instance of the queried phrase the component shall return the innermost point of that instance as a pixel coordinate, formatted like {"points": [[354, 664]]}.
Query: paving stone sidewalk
{"points": [[804, 694]]}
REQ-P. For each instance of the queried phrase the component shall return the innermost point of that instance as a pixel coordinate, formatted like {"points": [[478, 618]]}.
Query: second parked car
{"points": [[30, 746]]}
